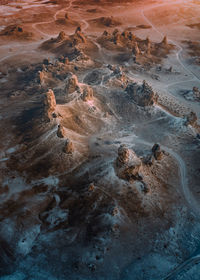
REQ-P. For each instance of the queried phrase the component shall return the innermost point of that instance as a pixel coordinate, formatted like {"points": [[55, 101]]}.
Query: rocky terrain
{"points": [[100, 140]]}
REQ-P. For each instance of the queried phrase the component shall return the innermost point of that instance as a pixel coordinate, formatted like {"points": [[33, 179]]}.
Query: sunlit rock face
{"points": [[99, 140], [50, 103]]}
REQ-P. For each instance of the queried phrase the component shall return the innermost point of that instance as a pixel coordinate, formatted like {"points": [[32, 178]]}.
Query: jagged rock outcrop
{"points": [[50, 103], [87, 93], [128, 165], [72, 84], [136, 50], [164, 41], [157, 152], [143, 95], [61, 36], [60, 131], [79, 36], [69, 147]]}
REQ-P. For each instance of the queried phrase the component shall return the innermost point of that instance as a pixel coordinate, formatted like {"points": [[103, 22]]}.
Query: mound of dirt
{"points": [[143, 95], [67, 21], [69, 45], [16, 32], [105, 21]]}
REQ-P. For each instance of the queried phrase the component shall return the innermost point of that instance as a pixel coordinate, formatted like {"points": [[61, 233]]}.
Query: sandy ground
{"points": [[167, 218]]}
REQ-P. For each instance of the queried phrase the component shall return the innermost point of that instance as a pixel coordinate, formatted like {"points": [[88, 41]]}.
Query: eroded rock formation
{"points": [[50, 103], [157, 152], [87, 93], [69, 147], [61, 36], [128, 164], [72, 83], [164, 41], [143, 95], [60, 131]]}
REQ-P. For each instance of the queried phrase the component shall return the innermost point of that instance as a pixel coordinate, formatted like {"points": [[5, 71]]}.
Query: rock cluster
{"points": [[143, 95], [50, 103], [156, 154], [128, 165], [61, 36]]}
